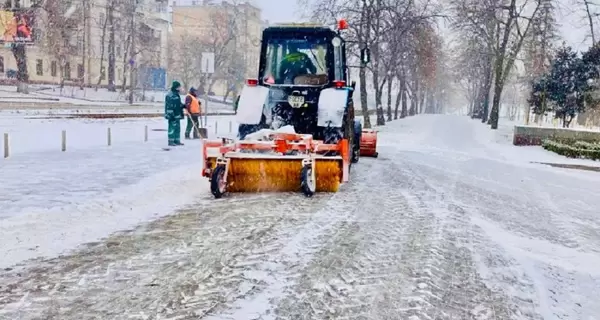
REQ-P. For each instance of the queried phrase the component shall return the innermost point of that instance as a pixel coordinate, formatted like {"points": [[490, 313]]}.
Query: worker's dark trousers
{"points": [[191, 121]]}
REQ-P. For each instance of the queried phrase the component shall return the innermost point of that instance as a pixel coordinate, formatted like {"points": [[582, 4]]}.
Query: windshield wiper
{"points": [[317, 60]]}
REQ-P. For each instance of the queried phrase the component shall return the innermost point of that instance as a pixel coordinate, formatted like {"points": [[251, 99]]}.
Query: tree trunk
{"points": [[362, 74], [429, 106], [126, 65], [397, 103], [20, 54], [102, 40], [111, 48], [378, 101], [403, 96], [485, 93], [496, 105], [389, 99], [421, 103], [414, 99], [498, 87]]}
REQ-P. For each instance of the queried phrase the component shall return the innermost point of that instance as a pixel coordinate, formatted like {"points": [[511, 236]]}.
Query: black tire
{"points": [[307, 186], [356, 142], [216, 186]]}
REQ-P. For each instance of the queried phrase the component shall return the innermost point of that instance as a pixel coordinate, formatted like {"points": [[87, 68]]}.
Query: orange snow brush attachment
{"points": [[368, 143], [289, 163]]}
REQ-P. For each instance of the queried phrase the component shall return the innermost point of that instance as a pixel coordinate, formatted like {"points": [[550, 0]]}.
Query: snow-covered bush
{"points": [[578, 149]]}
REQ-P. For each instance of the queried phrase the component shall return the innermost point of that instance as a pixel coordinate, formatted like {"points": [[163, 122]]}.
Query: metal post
{"points": [[206, 98], [6, 146]]}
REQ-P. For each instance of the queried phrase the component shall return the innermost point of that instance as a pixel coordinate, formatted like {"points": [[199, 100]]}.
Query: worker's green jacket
{"points": [[173, 106]]}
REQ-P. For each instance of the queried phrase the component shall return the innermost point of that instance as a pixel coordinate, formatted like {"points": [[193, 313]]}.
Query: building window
{"points": [[53, 68], [39, 67], [1, 64], [67, 71], [80, 71]]}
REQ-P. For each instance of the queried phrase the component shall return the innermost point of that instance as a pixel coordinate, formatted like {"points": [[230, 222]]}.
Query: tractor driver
{"points": [[295, 64]]}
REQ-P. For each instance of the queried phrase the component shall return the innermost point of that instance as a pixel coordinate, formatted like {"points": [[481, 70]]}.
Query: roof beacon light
{"points": [[339, 83], [342, 24]]}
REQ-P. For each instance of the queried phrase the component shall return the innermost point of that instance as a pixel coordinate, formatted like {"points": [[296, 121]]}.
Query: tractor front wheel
{"points": [[218, 186], [308, 185]]}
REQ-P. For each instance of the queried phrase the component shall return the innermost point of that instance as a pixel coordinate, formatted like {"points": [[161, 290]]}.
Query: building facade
{"points": [[80, 52]]}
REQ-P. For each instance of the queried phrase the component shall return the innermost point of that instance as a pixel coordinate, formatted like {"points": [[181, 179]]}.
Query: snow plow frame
{"points": [[306, 149]]}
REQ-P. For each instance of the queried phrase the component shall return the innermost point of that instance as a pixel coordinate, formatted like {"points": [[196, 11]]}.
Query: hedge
{"points": [[586, 145], [578, 149]]}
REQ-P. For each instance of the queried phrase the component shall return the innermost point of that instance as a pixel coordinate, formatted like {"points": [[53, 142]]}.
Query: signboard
{"points": [[152, 78], [16, 26], [207, 62]]}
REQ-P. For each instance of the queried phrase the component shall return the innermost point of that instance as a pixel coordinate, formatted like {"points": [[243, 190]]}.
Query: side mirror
{"points": [[353, 85], [365, 55]]}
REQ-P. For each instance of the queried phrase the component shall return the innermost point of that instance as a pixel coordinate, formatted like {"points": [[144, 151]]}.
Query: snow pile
{"points": [[265, 134]]}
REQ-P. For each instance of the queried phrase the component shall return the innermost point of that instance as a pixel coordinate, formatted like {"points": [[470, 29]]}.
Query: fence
{"points": [[213, 129]]}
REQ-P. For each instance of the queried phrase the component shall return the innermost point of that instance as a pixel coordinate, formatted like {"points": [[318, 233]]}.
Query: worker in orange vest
{"points": [[193, 110]]}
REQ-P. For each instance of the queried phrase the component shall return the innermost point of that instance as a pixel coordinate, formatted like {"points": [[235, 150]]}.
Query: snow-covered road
{"points": [[445, 224]]}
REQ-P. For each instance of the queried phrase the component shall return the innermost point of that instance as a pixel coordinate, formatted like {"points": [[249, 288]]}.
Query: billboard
{"points": [[16, 26]]}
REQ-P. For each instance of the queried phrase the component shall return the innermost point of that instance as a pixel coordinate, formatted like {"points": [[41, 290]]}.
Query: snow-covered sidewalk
{"points": [[52, 201]]}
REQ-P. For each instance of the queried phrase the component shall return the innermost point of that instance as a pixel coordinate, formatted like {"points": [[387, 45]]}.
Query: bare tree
{"points": [[184, 59], [61, 36], [503, 27]]}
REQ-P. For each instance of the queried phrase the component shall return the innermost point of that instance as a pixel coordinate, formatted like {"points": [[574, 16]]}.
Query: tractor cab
{"points": [[302, 56], [302, 81]]}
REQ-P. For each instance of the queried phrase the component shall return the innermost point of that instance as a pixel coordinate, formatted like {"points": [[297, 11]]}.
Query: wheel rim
{"points": [[222, 183], [310, 182]]}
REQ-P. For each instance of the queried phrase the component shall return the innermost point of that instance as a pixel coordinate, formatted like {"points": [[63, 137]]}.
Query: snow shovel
{"points": [[202, 131]]}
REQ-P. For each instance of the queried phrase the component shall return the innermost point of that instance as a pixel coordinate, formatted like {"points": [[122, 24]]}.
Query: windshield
{"points": [[296, 62]]}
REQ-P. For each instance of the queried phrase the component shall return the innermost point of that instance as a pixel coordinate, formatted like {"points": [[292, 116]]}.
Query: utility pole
{"points": [[132, 51]]}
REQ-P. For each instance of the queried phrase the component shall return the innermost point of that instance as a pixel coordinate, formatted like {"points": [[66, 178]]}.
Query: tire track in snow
{"points": [[466, 294], [180, 267], [295, 249], [379, 263]]}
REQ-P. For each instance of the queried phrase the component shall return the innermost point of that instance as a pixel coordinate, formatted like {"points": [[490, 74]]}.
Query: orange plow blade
{"points": [[288, 163]]}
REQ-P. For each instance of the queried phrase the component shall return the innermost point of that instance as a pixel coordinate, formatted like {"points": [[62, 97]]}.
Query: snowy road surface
{"points": [[444, 225]]}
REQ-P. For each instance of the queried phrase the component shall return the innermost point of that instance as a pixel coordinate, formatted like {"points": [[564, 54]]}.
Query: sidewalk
{"points": [[52, 201]]}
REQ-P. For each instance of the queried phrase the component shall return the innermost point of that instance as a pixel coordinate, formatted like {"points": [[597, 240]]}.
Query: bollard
{"points": [[216, 127], [6, 149], [145, 133], [229, 126], [108, 137], [63, 139]]}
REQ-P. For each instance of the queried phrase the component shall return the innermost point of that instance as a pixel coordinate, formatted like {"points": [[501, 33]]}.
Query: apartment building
{"points": [[212, 21], [86, 30]]}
